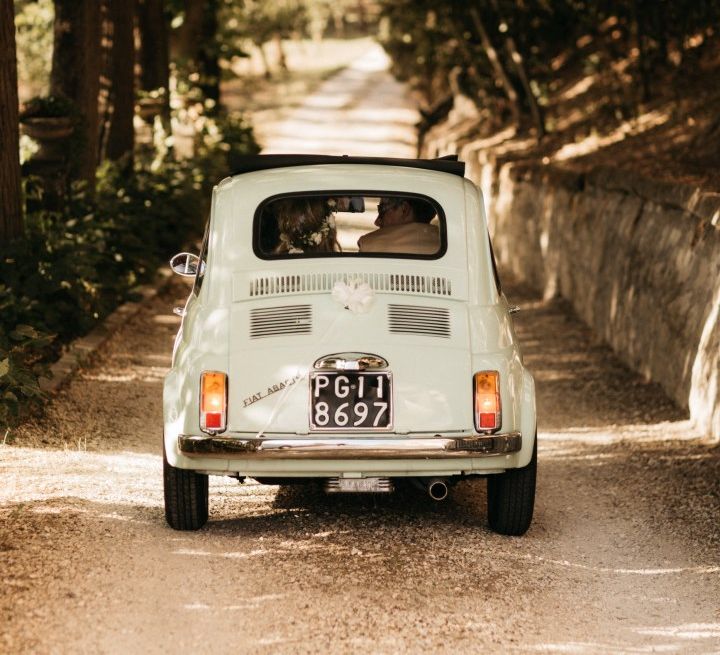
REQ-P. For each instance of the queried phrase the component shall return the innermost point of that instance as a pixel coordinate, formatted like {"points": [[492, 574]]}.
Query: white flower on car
{"points": [[354, 295]]}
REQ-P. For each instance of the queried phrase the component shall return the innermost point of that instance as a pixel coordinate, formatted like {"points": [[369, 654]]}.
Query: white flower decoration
{"points": [[355, 295], [299, 242]]}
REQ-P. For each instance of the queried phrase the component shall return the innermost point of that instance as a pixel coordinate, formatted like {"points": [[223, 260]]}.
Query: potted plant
{"points": [[49, 120]]}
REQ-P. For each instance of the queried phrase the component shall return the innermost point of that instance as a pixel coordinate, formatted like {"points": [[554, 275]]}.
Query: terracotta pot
{"points": [[51, 134]]}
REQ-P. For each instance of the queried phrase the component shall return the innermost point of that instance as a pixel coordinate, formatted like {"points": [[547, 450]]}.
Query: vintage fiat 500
{"points": [[347, 326]]}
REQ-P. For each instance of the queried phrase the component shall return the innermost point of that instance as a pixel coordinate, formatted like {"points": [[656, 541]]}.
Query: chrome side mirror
{"points": [[185, 264]]}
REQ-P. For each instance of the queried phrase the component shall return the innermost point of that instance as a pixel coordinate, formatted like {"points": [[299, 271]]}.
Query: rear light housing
{"points": [[213, 402], [486, 395]]}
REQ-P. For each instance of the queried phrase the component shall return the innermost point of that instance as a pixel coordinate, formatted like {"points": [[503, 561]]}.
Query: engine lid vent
{"points": [[277, 285], [275, 321], [412, 319]]}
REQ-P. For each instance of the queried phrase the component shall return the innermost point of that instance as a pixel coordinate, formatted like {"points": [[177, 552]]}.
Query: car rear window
{"points": [[337, 224]]}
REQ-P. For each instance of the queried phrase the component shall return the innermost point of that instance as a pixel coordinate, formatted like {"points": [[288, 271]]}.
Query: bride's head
{"points": [[306, 225]]}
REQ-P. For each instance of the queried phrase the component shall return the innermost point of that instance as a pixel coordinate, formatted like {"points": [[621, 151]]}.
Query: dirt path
{"points": [[360, 111], [623, 555]]}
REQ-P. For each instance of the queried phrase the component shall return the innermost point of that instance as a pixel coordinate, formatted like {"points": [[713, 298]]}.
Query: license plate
{"points": [[351, 401], [359, 486]]}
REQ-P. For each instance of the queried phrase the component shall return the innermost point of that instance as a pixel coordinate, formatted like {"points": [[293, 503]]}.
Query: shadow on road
{"points": [[580, 382]]}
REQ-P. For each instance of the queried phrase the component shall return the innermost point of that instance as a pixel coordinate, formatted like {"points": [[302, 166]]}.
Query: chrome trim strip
{"points": [[354, 361], [350, 448]]}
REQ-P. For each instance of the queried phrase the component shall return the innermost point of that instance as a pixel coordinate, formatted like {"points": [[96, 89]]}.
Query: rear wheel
{"points": [[186, 497], [511, 498]]}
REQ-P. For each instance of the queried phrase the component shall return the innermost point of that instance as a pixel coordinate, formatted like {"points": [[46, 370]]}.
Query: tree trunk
{"points": [[637, 19], [500, 75], [282, 60], [338, 22], [198, 45], [481, 97], [519, 66], [11, 225], [265, 61], [192, 30], [154, 53], [105, 107], [208, 56], [76, 72], [122, 78]]}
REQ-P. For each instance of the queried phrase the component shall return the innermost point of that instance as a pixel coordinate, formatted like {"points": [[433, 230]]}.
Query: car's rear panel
{"points": [[278, 318], [274, 343]]}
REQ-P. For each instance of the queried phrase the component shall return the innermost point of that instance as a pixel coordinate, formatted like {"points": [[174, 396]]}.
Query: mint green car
{"points": [[347, 326]]}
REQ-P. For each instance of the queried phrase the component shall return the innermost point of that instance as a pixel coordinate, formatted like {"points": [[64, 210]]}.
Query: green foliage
{"points": [[429, 39], [34, 40], [260, 20], [22, 348], [237, 140], [75, 264]]}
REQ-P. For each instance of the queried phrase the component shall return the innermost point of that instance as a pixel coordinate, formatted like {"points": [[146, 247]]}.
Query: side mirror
{"points": [[185, 264]]}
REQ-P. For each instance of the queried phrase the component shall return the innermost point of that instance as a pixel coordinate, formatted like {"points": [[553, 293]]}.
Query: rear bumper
{"points": [[228, 447]]}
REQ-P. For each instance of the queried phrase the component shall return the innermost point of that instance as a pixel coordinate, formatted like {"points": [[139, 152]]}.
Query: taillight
{"points": [[488, 416], [213, 401]]}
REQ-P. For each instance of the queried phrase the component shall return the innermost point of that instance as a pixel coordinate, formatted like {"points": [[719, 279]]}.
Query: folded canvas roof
{"points": [[250, 163]]}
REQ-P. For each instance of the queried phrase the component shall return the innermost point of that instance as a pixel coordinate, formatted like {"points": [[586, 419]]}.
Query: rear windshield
{"points": [[349, 224]]}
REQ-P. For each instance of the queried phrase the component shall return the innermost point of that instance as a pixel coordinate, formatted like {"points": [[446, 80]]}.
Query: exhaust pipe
{"points": [[436, 488]]}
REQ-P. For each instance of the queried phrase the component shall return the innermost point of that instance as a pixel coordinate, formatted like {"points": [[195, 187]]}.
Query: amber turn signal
{"points": [[213, 401], [487, 401]]}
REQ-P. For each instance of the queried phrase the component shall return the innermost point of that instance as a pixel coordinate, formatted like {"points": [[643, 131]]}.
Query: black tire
{"points": [[186, 497], [511, 498]]}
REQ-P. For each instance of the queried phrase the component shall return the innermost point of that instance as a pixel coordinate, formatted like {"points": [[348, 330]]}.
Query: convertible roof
{"points": [[250, 163]]}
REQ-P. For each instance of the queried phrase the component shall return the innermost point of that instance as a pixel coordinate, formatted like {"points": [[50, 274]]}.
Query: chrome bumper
{"points": [[350, 447]]}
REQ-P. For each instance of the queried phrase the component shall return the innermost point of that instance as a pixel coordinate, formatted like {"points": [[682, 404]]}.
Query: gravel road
{"points": [[623, 554]]}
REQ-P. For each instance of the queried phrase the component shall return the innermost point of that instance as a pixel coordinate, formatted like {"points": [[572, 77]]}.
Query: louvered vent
{"points": [[411, 319], [280, 285], [274, 321]]}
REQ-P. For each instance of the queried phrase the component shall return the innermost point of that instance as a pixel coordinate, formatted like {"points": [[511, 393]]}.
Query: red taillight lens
{"points": [[213, 401], [487, 401]]}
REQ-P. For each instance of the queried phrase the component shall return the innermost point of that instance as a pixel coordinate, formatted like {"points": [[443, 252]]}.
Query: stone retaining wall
{"points": [[639, 261]]}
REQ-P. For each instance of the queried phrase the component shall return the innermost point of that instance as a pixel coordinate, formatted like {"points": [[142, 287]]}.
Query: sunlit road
{"points": [[623, 555], [361, 111]]}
